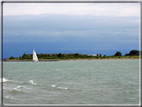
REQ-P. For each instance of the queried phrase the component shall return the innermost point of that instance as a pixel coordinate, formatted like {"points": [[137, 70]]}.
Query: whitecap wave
{"points": [[22, 87], [19, 88], [6, 80], [32, 82], [8, 97], [15, 89], [53, 85], [63, 88], [59, 87]]}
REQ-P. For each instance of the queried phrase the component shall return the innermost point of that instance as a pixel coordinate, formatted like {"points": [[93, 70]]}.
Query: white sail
{"points": [[34, 56]]}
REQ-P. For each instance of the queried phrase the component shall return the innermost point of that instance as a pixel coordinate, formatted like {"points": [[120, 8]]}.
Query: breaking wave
{"points": [[32, 82], [60, 87], [19, 89], [9, 97], [7, 80]]}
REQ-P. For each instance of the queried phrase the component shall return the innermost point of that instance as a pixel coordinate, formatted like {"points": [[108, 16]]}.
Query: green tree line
{"points": [[73, 56]]}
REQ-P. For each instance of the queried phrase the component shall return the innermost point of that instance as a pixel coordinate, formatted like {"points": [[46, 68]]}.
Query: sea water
{"points": [[71, 82]]}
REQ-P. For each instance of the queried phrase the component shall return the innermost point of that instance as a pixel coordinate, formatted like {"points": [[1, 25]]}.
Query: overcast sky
{"points": [[87, 28]]}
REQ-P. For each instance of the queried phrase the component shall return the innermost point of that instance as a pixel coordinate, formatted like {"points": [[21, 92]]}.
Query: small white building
{"points": [[92, 54]]}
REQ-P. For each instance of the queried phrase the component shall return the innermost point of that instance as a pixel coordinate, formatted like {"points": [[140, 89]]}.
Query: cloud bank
{"points": [[95, 9], [88, 28]]}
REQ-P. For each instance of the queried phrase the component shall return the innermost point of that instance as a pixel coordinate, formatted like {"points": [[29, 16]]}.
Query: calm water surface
{"points": [[71, 82]]}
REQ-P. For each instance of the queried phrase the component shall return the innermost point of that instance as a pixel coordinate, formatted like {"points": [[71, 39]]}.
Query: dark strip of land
{"points": [[133, 54], [115, 58]]}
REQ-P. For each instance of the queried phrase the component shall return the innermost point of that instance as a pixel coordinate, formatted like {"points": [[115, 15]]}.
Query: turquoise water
{"points": [[71, 82]]}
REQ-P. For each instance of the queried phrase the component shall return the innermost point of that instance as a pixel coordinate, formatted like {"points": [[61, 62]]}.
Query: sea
{"points": [[86, 82]]}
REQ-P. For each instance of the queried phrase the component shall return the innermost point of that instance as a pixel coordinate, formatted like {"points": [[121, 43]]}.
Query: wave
{"points": [[60, 87], [23, 83], [19, 89], [53, 85], [7, 80], [22, 87], [32, 82], [9, 97], [27, 82], [15, 89]]}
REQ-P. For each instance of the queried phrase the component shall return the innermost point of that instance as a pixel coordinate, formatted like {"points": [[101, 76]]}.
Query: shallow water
{"points": [[71, 82]]}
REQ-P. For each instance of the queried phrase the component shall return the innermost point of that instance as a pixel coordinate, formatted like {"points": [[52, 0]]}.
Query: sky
{"points": [[86, 28]]}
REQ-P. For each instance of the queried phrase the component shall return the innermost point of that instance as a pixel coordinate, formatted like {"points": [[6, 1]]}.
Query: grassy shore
{"points": [[79, 59]]}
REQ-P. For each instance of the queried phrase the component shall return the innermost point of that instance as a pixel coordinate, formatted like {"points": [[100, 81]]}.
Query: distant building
{"points": [[92, 54]]}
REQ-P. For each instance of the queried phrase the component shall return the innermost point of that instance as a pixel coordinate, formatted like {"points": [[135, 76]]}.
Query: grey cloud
{"points": [[74, 33]]}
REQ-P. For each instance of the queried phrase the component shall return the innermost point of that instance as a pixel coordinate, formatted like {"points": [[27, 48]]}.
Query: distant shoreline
{"points": [[72, 60]]}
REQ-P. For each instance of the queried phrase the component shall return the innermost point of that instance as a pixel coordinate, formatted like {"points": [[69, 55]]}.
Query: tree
{"points": [[76, 54], [100, 55], [104, 56], [11, 57], [27, 56], [59, 55], [97, 56], [118, 53], [134, 52]]}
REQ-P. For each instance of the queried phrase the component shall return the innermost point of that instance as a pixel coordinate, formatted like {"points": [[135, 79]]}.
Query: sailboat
{"points": [[35, 58]]}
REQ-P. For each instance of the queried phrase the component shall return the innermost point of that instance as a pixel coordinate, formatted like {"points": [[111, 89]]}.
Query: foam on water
{"points": [[16, 89], [32, 82], [62, 88], [9, 97], [22, 87], [6, 80], [53, 85]]}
